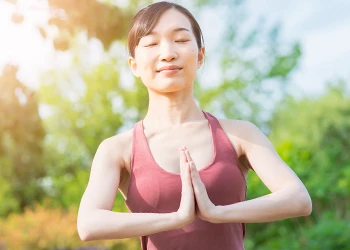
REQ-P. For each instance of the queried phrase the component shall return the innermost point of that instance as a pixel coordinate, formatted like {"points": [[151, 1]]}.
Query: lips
{"points": [[170, 67]]}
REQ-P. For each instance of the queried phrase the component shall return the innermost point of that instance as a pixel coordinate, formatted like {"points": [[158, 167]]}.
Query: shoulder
{"points": [[249, 136], [241, 130], [117, 148], [244, 135]]}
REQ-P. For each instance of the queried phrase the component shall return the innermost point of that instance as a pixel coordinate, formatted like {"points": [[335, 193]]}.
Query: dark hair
{"points": [[145, 20]]}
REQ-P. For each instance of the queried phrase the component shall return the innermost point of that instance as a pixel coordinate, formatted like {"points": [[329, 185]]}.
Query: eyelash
{"points": [[182, 41], [178, 41], [150, 45]]}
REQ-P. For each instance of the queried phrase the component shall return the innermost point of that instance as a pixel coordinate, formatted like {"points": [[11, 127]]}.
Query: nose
{"points": [[167, 52]]}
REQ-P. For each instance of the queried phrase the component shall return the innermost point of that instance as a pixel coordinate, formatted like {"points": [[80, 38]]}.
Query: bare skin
{"points": [[133, 225], [167, 160], [174, 117]]}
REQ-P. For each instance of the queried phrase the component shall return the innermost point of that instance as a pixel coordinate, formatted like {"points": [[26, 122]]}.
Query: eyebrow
{"points": [[173, 31]]}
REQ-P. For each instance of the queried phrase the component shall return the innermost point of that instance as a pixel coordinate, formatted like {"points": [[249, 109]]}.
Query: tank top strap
{"points": [[139, 146], [140, 152], [220, 138]]}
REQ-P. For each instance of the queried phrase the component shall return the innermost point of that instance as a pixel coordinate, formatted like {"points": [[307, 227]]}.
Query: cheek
{"points": [[142, 59], [192, 57], [194, 54], [147, 60], [142, 65]]}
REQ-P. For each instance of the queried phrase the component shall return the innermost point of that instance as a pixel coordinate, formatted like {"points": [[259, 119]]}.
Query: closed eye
{"points": [[181, 41], [150, 45]]}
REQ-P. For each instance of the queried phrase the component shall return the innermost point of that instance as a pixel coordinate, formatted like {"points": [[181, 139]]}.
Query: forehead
{"points": [[172, 20]]}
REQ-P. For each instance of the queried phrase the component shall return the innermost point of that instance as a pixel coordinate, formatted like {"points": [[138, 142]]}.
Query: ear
{"points": [[201, 54], [133, 66]]}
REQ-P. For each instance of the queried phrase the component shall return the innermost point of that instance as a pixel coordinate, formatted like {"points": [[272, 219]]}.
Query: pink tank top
{"points": [[155, 190]]}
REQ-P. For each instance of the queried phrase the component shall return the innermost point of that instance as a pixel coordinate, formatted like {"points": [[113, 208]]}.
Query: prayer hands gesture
{"points": [[194, 198]]}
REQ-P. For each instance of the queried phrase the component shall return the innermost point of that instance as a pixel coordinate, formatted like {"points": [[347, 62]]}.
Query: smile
{"points": [[169, 71]]}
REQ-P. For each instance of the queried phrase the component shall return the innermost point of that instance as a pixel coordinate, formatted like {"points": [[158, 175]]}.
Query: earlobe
{"points": [[133, 66], [201, 54]]}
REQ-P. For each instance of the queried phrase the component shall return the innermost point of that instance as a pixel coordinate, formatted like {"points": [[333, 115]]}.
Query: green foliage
{"points": [[283, 64], [87, 106], [249, 59], [6, 194], [111, 25], [311, 135], [76, 126], [317, 139], [21, 136], [330, 232], [82, 112]]}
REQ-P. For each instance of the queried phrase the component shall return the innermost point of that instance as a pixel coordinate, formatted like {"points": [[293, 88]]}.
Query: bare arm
{"points": [[96, 221], [289, 197]]}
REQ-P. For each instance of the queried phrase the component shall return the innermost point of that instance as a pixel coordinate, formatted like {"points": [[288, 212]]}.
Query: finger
{"points": [[186, 179], [182, 161], [185, 170], [196, 208], [188, 155], [198, 185]]}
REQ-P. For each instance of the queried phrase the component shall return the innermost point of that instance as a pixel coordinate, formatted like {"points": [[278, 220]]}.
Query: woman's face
{"points": [[167, 59]]}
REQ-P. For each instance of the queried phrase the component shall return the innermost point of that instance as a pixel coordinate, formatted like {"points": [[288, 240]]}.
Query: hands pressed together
{"points": [[194, 197]]}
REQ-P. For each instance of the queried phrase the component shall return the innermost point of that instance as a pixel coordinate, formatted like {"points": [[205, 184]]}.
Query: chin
{"points": [[168, 86]]}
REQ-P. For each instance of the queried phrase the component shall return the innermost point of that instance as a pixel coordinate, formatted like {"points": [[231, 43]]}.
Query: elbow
{"points": [[304, 204], [307, 208], [83, 235], [84, 231]]}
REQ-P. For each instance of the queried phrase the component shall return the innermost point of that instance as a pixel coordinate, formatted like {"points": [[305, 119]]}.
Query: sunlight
{"points": [[21, 42]]}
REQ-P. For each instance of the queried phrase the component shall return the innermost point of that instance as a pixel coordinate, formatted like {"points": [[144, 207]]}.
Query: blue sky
{"points": [[322, 28]]}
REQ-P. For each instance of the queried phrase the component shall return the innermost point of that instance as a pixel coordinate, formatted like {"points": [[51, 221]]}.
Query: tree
{"points": [[250, 60], [76, 126], [21, 138], [95, 105], [311, 135]]}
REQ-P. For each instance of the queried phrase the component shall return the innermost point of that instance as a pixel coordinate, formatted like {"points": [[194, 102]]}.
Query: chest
{"points": [[163, 147], [156, 184], [163, 150]]}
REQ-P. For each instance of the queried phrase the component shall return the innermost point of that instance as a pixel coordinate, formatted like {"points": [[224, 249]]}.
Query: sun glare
{"points": [[20, 40]]}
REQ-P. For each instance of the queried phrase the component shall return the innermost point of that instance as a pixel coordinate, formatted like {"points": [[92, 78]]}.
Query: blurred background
{"points": [[65, 86]]}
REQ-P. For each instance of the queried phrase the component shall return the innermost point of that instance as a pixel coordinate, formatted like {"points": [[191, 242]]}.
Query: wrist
{"points": [[178, 220], [213, 215], [184, 220]]}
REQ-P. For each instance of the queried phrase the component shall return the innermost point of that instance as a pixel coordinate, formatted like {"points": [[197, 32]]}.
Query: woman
{"points": [[178, 168]]}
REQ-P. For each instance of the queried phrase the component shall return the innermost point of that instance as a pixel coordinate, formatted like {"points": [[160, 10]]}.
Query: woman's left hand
{"points": [[204, 207]]}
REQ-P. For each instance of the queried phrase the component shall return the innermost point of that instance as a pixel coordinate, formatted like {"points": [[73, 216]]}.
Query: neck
{"points": [[171, 110]]}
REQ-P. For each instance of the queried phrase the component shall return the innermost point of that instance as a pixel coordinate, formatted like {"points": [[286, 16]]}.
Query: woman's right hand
{"points": [[186, 212]]}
